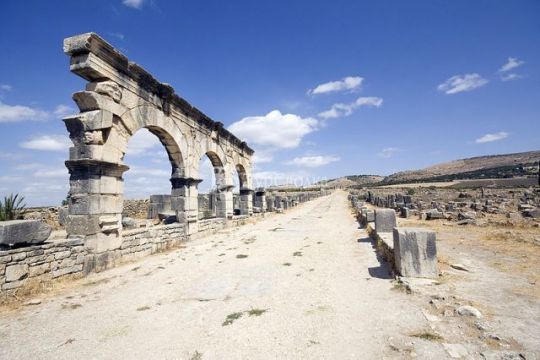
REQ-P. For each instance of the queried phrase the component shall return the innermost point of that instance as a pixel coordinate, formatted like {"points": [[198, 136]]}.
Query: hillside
{"points": [[492, 166], [480, 167], [354, 180]]}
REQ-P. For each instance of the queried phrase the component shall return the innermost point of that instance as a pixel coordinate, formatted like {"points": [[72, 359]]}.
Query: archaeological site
{"points": [[135, 226]]}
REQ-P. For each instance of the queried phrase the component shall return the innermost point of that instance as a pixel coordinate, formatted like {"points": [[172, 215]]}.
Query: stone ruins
{"points": [[119, 99]]}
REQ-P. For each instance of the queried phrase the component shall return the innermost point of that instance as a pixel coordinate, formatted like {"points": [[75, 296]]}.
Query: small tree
{"points": [[411, 191], [12, 207]]}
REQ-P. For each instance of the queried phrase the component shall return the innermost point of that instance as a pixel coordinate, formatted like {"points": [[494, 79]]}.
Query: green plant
{"points": [[231, 318], [12, 207], [428, 335], [411, 191], [256, 312]]}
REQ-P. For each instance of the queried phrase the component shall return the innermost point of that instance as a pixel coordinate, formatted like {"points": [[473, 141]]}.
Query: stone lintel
{"points": [[94, 59]]}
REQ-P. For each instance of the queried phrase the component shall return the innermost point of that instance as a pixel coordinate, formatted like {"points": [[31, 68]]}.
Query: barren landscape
{"points": [[303, 284], [270, 180]]}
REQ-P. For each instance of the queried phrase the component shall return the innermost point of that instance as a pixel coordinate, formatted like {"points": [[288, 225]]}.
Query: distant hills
{"points": [[481, 167]]}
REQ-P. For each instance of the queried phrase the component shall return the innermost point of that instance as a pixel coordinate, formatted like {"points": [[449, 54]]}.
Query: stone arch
{"points": [[246, 192], [242, 176], [164, 127], [119, 99], [219, 169], [221, 199], [217, 157]]}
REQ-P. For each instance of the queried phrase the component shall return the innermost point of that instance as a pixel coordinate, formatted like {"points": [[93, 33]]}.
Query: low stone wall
{"points": [[211, 225], [67, 257], [138, 243], [53, 260], [46, 261], [410, 252]]}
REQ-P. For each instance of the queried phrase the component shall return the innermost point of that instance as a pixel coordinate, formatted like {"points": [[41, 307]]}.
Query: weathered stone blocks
{"points": [[16, 272], [385, 220], [434, 214], [161, 203], [23, 231], [415, 252]]}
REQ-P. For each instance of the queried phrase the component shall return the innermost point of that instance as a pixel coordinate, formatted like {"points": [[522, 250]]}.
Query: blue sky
{"points": [[320, 89]]}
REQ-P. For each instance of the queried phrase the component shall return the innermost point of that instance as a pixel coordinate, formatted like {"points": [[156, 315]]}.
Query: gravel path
{"points": [[304, 284]]}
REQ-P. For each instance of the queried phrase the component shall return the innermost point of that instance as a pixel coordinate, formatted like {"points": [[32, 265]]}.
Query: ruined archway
{"points": [[245, 200], [121, 98]]}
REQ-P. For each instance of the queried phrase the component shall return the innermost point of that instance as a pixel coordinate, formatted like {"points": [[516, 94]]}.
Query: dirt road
{"points": [[304, 284]]}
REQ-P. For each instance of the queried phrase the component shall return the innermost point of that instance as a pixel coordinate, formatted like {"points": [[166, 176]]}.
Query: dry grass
{"points": [[34, 287], [427, 335]]}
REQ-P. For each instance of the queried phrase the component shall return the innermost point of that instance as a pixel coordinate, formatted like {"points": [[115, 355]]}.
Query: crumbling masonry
{"points": [[121, 98]]}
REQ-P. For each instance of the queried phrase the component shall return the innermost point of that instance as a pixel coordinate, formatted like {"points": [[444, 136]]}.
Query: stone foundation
{"points": [[67, 257]]}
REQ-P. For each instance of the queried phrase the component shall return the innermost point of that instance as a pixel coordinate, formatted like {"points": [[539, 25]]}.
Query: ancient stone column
{"points": [[278, 203], [95, 203], [259, 200], [224, 202], [246, 201], [185, 202], [270, 203]]}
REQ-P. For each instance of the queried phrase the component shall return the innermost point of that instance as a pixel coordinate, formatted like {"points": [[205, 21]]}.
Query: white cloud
{"points": [[511, 76], [5, 87], [139, 170], [388, 152], [10, 179], [136, 4], [275, 130], [491, 137], [347, 83], [29, 166], [261, 157], [52, 173], [207, 175], [512, 63], [339, 110], [141, 142], [313, 161], [460, 83], [15, 113], [118, 35], [47, 143], [63, 110]]}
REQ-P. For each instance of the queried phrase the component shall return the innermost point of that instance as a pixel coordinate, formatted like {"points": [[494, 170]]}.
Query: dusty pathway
{"points": [[305, 284]]}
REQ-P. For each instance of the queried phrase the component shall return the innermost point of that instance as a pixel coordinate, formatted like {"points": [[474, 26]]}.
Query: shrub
{"points": [[411, 191], [12, 207]]}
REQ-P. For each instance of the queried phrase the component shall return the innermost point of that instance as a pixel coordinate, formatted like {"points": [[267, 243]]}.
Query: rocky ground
{"points": [[493, 269], [304, 284]]}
